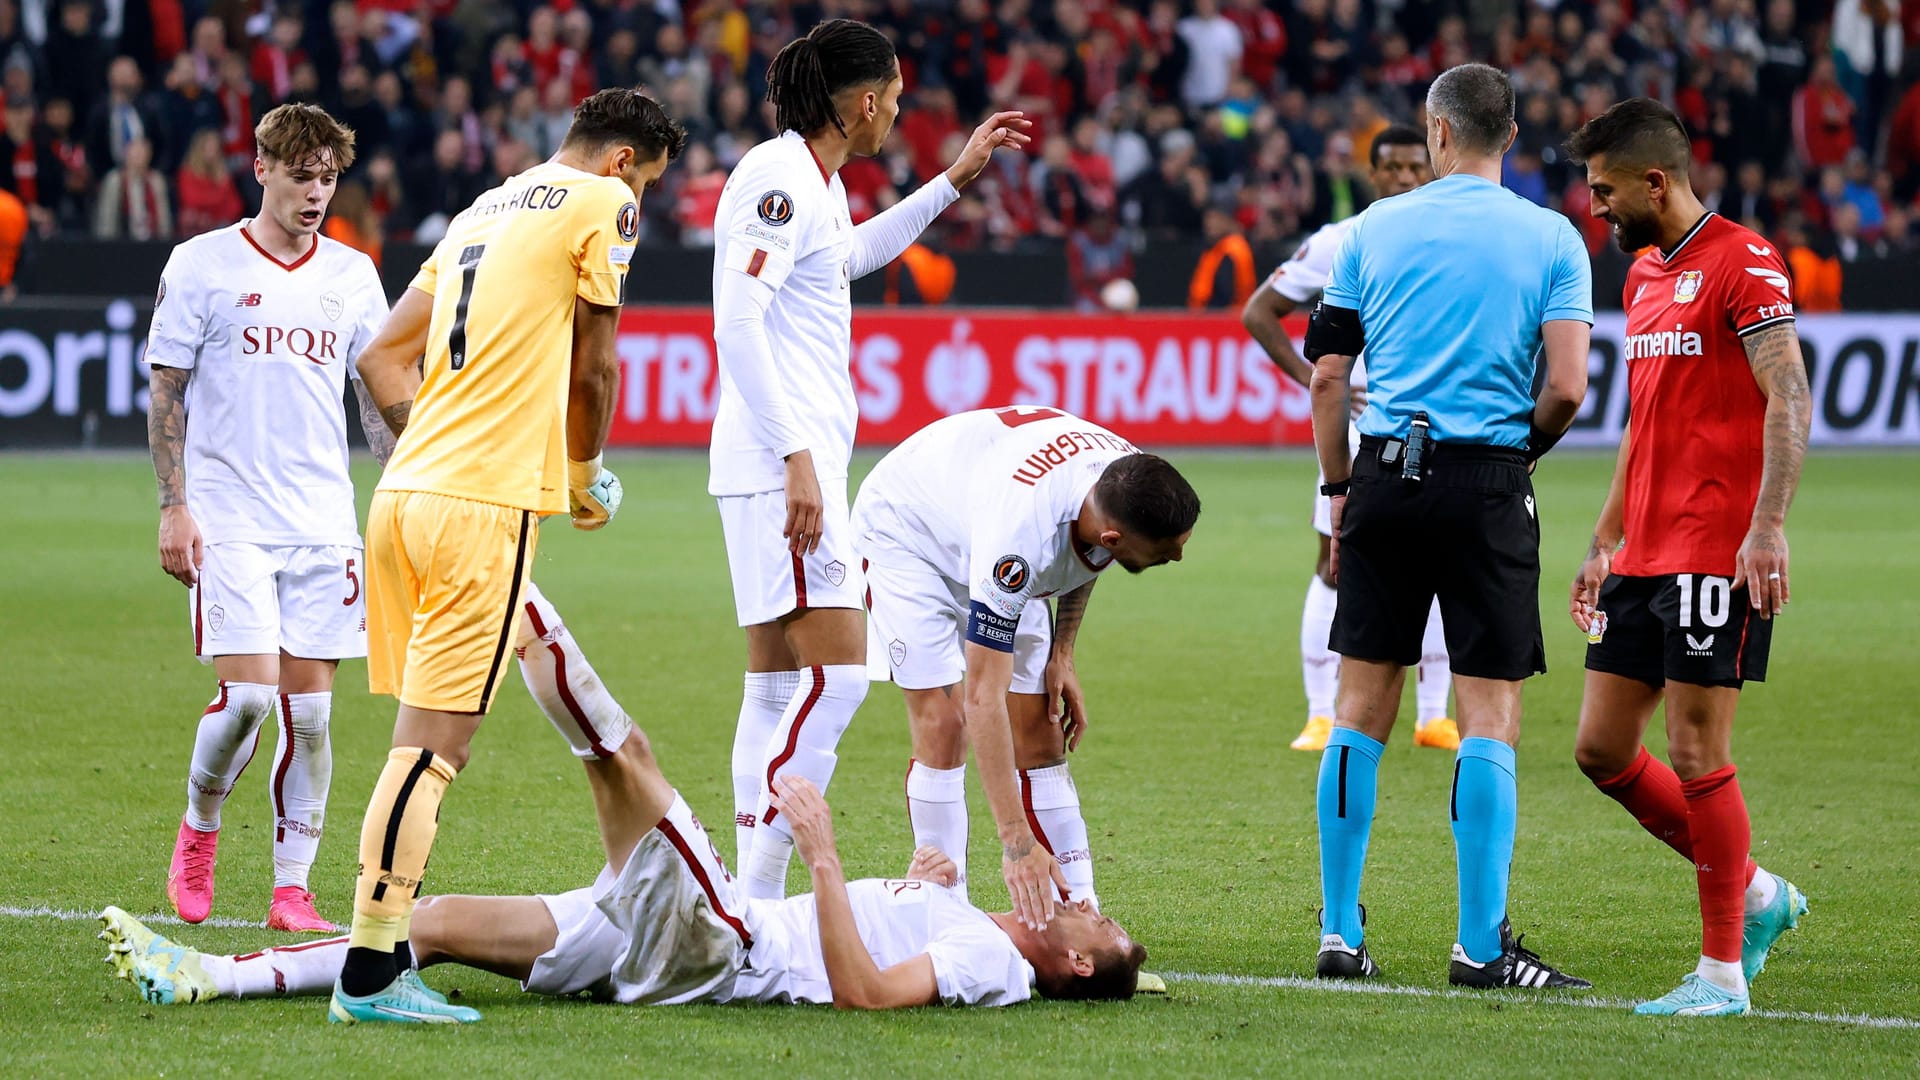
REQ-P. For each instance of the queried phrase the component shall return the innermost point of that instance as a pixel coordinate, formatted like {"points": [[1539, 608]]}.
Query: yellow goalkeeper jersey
{"points": [[489, 422]]}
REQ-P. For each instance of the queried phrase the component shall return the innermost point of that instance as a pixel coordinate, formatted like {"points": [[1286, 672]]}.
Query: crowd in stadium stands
{"points": [[1203, 118]]}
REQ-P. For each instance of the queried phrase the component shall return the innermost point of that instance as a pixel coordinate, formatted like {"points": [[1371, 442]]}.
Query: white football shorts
{"points": [[309, 601], [1323, 506], [770, 581], [668, 929], [917, 629]]}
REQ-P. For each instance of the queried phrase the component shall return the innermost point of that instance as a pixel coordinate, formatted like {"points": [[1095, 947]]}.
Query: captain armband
{"points": [[1334, 331]]}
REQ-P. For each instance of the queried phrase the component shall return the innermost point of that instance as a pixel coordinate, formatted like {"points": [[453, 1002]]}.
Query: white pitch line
{"points": [[1572, 998], [65, 915], [1275, 982]]}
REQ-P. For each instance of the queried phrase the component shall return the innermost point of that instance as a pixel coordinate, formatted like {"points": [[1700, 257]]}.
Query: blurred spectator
{"points": [[1822, 118], [360, 113], [276, 55], [1091, 165], [1849, 245], [698, 199], [1214, 46], [351, 220], [76, 56], [1816, 274], [209, 199], [1522, 172], [133, 202], [1903, 145], [1058, 192], [443, 186], [13, 236], [73, 194], [1866, 50], [932, 118], [1228, 262], [121, 117], [1096, 253], [1897, 238], [184, 104], [1167, 201]]}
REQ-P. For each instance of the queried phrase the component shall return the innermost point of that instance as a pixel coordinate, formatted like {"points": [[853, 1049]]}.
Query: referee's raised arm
{"points": [[1456, 292]]}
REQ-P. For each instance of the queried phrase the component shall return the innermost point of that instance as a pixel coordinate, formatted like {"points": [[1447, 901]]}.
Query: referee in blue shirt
{"points": [[1457, 292]]}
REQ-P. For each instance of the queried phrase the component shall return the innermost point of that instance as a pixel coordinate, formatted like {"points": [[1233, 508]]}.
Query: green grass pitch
{"points": [[1202, 818]]}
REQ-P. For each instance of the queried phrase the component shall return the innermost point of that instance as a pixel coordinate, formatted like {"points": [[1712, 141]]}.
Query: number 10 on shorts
{"points": [[1715, 600]]}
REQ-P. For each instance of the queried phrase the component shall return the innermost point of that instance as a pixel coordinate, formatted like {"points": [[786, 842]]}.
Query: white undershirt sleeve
{"points": [[880, 239], [740, 338]]}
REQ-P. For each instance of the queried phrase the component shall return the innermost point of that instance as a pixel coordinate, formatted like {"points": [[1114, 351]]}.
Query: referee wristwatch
{"points": [[1336, 488]]}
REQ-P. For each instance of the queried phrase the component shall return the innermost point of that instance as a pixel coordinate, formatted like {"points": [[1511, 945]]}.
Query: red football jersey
{"points": [[1696, 415]]}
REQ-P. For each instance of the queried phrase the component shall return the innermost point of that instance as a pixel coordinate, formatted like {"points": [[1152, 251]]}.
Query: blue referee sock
{"points": [[1485, 811], [1349, 776]]}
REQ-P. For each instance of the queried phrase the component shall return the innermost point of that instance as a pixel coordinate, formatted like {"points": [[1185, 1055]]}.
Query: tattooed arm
{"points": [[1781, 372], [390, 366], [1066, 705], [380, 436], [180, 544]]}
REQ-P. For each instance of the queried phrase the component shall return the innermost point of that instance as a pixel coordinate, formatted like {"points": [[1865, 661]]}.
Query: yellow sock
{"points": [[396, 838]]}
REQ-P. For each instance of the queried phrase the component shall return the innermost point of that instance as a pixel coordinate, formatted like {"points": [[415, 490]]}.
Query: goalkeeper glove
{"points": [[593, 493]]}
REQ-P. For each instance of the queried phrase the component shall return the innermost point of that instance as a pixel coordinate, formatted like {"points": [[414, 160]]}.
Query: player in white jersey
{"points": [[965, 530], [1399, 164], [785, 252], [254, 334], [665, 924]]}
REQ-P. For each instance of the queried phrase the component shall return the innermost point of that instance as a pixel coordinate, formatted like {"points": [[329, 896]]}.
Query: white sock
{"points": [[303, 970], [1723, 973], [1319, 666], [1435, 677], [567, 689], [937, 811], [765, 701], [228, 736], [804, 745], [1761, 890], [1053, 809], [302, 773]]}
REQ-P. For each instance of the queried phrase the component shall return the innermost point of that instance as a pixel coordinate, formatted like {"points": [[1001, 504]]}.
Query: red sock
{"points": [[1717, 822], [1651, 792]]}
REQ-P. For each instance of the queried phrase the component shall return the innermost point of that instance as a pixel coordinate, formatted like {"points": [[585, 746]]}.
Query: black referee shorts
{"points": [[1468, 534]]}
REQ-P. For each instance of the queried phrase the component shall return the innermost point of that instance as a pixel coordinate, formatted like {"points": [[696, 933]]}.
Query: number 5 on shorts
{"points": [[353, 579]]}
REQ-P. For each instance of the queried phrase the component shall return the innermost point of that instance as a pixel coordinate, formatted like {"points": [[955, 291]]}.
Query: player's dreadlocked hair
{"points": [[629, 117], [1637, 132], [298, 134], [1397, 135], [836, 54], [1147, 495]]}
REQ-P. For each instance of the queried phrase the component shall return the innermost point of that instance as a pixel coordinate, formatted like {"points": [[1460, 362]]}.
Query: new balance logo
{"points": [[1697, 647], [251, 299]]}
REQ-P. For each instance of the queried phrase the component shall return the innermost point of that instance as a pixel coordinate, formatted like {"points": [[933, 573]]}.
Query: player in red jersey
{"points": [[1689, 561]]}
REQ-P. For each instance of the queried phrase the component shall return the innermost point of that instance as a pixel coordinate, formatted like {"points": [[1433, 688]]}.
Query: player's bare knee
{"points": [[426, 935], [1601, 761], [938, 727]]}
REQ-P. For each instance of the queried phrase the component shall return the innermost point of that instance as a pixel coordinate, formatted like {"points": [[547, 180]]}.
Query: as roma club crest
{"points": [[1688, 287]]}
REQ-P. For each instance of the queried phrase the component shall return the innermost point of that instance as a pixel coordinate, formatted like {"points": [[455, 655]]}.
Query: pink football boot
{"points": [[190, 878], [292, 911]]}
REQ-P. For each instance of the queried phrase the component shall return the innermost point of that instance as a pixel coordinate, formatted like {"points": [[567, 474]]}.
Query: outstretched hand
{"points": [[1001, 129]]}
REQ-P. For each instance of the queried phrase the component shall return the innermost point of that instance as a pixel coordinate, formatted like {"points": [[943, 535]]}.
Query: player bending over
{"points": [[260, 324], [1399, 165], [965, 530], [515, 314], [664, 924], [786, 249], [1689, 559]]}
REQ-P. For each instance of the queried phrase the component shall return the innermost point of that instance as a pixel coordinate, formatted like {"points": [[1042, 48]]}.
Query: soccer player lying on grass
{"points": [[664, 925]]}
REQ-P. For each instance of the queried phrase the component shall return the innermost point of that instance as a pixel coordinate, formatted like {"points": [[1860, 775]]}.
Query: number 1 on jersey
{"points": [[457, 337]]}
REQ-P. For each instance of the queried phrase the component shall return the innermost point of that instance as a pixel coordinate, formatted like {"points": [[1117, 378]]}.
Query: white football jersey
{"points": [[270, 346], [988, 498], [783, 220], [974, 961], [1302, 277]]}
